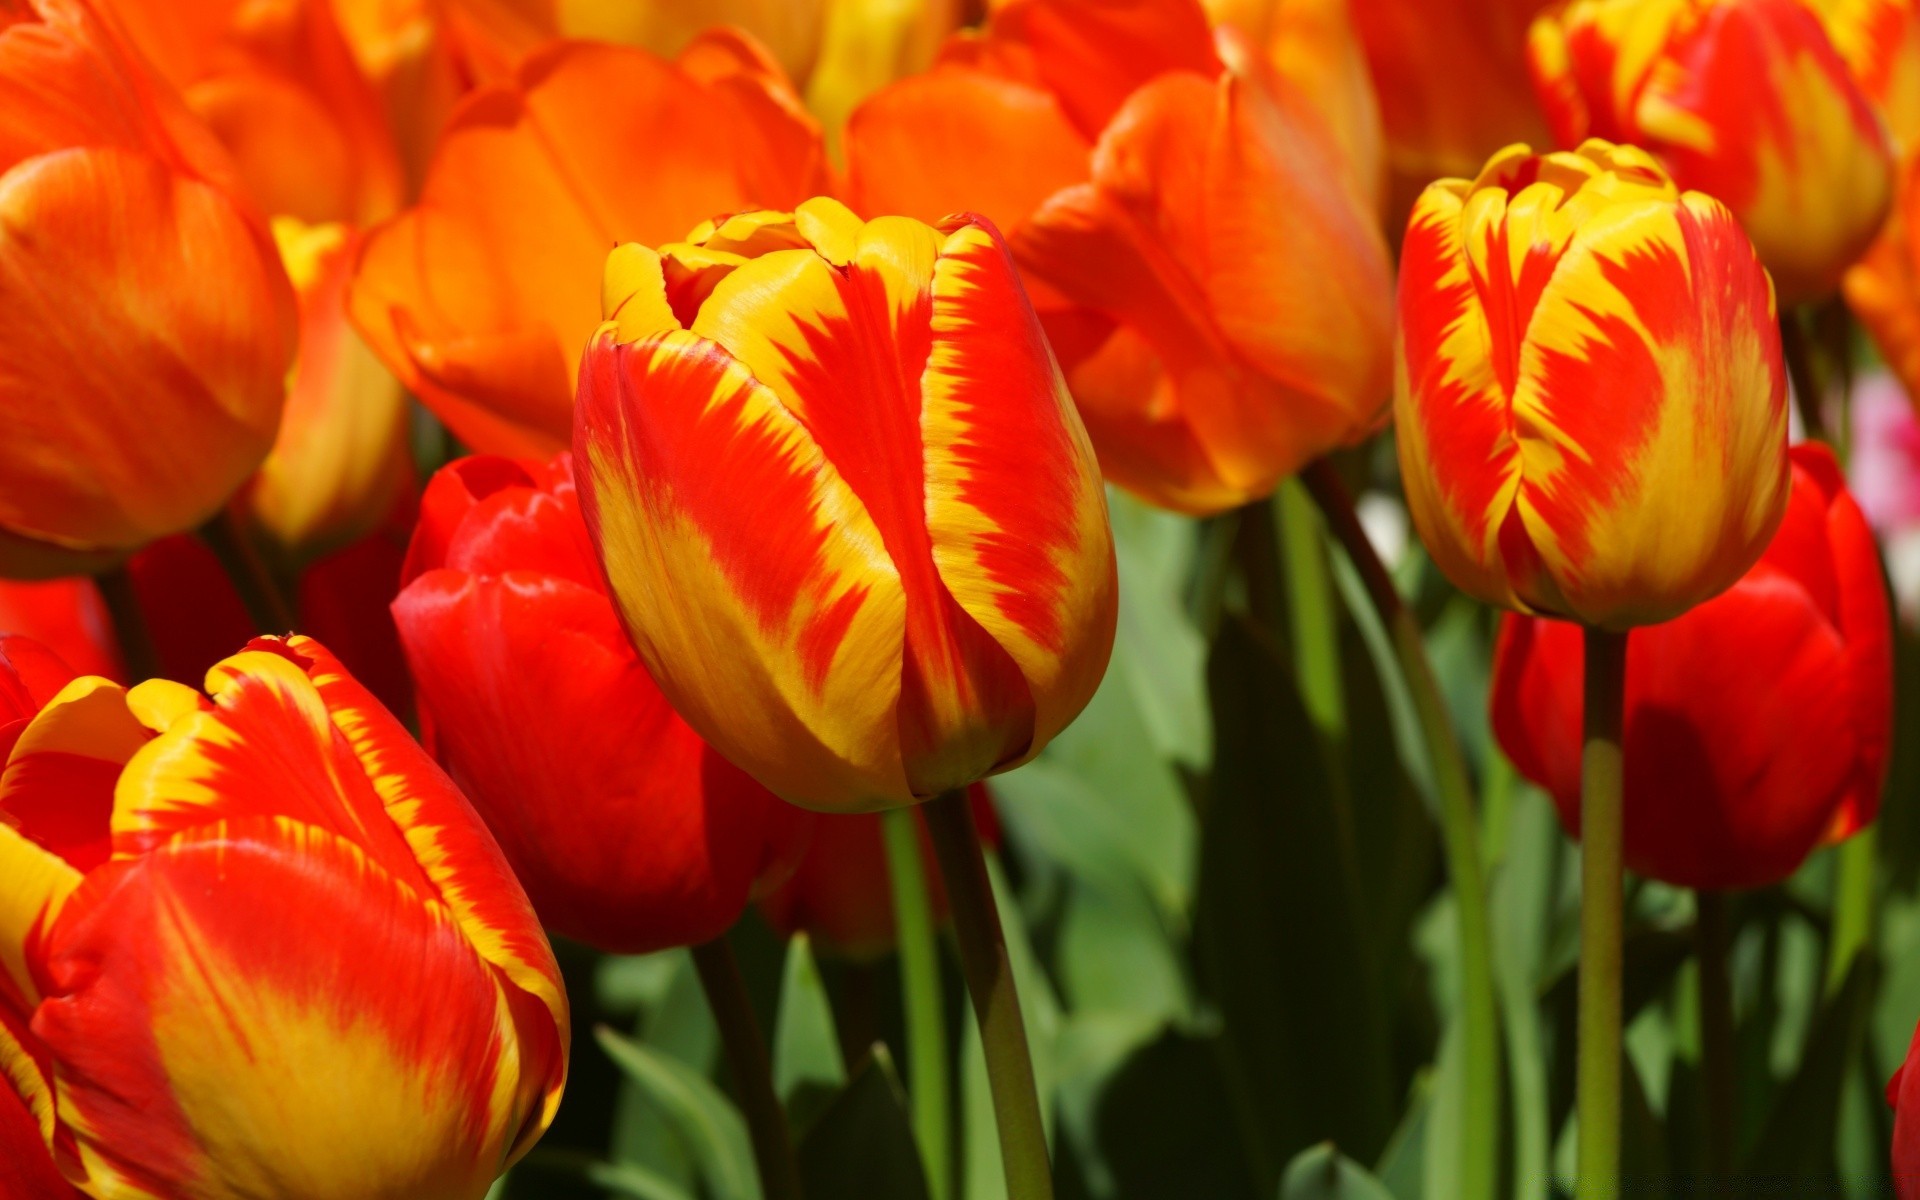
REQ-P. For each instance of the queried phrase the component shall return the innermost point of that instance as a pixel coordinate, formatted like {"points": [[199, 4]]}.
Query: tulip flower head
{"points": [[1732, 777], [1746, 100], [253, 943], [844, 504], [628, 831], [1590, 397], [149, 324]]}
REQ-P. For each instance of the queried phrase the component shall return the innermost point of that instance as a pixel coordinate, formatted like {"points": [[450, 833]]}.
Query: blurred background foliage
{"points": [[1235, 942]]}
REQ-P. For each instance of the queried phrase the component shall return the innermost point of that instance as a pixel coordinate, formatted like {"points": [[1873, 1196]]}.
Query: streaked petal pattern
{"points": [[811, 469]]}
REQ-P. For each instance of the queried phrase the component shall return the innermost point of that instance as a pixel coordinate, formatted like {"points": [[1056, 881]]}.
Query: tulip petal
{"points": [[1013, 506], [1093, 54], [58, 785], [34, 885], [214, 1038], [163, 280], [718, 515]]}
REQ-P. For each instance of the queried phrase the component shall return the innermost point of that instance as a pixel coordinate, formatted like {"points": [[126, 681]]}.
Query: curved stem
{"points": [[1601, 838], [130, 630], [927, 1075], [752, 1070], [996, 1004], [266, 602], [1712, 934], [1480, 1029]]}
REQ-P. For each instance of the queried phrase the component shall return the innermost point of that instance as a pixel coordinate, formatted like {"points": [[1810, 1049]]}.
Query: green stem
{"points": [[262, 594], [137, 654], [1712, 933], [996, 1004], [1852, 904], [1313, 620], [1798, 353], [1480, 1029], [1601, 838], [752, 1070], [927, 1075]]}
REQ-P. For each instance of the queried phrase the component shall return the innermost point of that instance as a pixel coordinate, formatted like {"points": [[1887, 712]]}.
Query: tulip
{"points": [[138, 292], [27, 1170], [256, 944], [841, 893], [1451, 76], [1732, 778], [1744, 99], [628, 832], [843, 502], [67, 616], [1903, 1095], [1590, 397], [481, 297], [279, 87], [342, 460], [1212, 275]]}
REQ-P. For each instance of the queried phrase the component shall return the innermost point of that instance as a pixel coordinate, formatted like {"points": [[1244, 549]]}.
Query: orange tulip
{"points": [[1212, 277], [276, 83], [149, 324], [482, 296], [843, 502], [1451, 76], [341, 461], [1746, 100], [1590, 397], [253, 943]]}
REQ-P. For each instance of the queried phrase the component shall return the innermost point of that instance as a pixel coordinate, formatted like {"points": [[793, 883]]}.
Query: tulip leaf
{"points": [[1321, 1173], [1797, 1141], [861, 1147], [708, 1121], [806, 1050], [626, 1179], [677, 1024]]}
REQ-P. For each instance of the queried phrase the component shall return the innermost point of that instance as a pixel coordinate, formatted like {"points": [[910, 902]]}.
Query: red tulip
{"points": [[67, 616], [627, 830], [1755, 724]]}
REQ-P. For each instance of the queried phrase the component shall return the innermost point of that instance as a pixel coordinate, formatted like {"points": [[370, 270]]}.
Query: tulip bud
{"points": [[1745, 100], [843, 502], [627, 830], [254, 943], [841, 892], [1590, 398], [1732, 778], [481, 297], [149, 324]]}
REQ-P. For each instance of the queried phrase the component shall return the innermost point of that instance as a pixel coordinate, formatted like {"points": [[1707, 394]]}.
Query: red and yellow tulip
{"points": [[844, 503], [1746, 100], [628, 831], [1732, 778], [149, 324], [1590, 397], [482, 296], [222, 920]]}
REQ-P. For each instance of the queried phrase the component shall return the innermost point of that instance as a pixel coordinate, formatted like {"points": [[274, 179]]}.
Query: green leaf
{"points": [[1797, 1141], [806, 1050], [679, 1025], [862, 1147], [627, 1179], [1281, 931], [1320, 1173], [711, 1126]]}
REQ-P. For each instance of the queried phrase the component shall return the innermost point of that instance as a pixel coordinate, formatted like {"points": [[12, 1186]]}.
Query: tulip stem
{"points": [[130, 629], [1480, 1029], [1852, 904], [752, 1070], [265, 601], [921, 990], [1798, 353], [996, 1004], [1712, 939], [1601, 837]]}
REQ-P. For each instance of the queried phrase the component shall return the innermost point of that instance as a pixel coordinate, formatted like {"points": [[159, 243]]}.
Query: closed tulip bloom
{"points": [[149, 325], [1590, 398], [254, 943], [841, 893], [844, 504], [68, 616], [627, 830], [1746, 100], [1732, 776], [481, 296], [276, 83], [342, 460]]}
